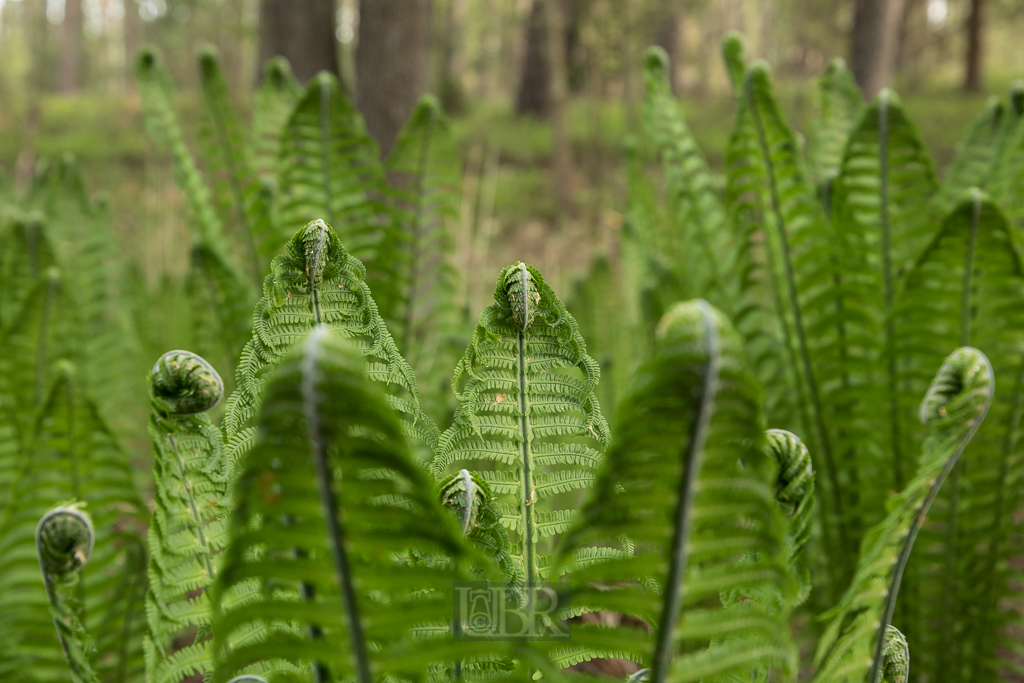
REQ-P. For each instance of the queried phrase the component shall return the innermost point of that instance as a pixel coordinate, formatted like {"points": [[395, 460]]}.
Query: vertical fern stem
{"points": [[325, 146], [953, 525], [318, 450], [528, 493], [805, 358], [691, 460], [887, 277]]}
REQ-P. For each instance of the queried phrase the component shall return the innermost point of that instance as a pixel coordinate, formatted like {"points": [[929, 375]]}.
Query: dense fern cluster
{"points": [[319, 526]]}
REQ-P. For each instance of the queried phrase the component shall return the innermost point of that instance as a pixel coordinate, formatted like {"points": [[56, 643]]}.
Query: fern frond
{"points": [[685, 480], [975, 155], [221, 304], [330, 169], [64, 541], [25, 254], [70, 455], [336, 592], [411, 274], [695, 239], [189, 524], [316, 281], [275, 99], [953, 408], [841, 105], [794, 485], [525, 389], [237, 190]]}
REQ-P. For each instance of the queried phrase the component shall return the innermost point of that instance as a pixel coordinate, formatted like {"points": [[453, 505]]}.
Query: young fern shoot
{"points": [[527, 402], [189, 527]]}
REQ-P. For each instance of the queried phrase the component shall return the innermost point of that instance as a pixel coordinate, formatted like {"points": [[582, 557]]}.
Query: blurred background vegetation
{"points": [[541, 139]]}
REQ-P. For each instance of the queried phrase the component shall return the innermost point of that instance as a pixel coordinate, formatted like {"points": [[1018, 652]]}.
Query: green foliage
{"points": [[684, 480], [527, 407], [841, 107], [953, 409], [342, 602], [316, 281], [188, 529]]}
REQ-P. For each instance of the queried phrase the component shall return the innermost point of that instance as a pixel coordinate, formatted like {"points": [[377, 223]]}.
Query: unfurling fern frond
{"points": [[469, 498], [953, 408], [330, 169], [794, 485], [687, 479], [896, 657], [69, 455], [411, 274], [327, 539], [527, 411], [316, 281], [64, 541], [189, 525]]}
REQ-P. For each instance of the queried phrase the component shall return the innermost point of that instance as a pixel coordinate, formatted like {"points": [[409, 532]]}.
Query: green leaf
{"points": [[953, 409], [275, 99], [526, 400], [188, 530], [316, 281], [312, 527], [684, 478], [841, 105]]}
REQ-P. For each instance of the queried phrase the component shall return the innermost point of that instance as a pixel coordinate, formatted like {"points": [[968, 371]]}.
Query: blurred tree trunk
{"points": [[534, 95], [302, 31], [972, 71], [873, 43], [449, 84], [391, 64], [71, 48], [558, 85], [668, 37], [132, 41]]}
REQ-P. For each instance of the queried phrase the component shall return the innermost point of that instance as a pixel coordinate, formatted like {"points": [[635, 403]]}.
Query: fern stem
{"points": [[528, 494], [318, 450], [691, 460], [805, 358], [193, 509]]}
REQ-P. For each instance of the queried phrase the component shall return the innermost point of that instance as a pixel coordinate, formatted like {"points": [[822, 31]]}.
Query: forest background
{"points": [[541, 139]]}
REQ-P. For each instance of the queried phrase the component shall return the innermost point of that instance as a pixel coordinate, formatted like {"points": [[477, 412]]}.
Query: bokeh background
{"points": [[541, 116]]}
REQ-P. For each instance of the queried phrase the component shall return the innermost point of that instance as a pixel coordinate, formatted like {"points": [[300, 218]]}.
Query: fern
{"points": [[316, 281], [329, 169], [189, 527], [958, 293], [411, 275], [64, 541], [684, 480], [527, 406], [695, 239], [976, 154], [953, 409], [311, 510], [70, 454], [275, 99], [841, 106]]}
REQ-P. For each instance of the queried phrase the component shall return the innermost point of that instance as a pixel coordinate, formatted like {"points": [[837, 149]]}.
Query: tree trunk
{"points": [[391, 64], [301, 31], [558, 85], [972, 73], [71, 48], [873, 43], [132, 41], [534, 96]]}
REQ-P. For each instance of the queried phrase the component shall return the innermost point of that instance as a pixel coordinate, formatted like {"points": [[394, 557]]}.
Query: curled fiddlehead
{"points": [[64, 542], [794, 486], [183, 383]]}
